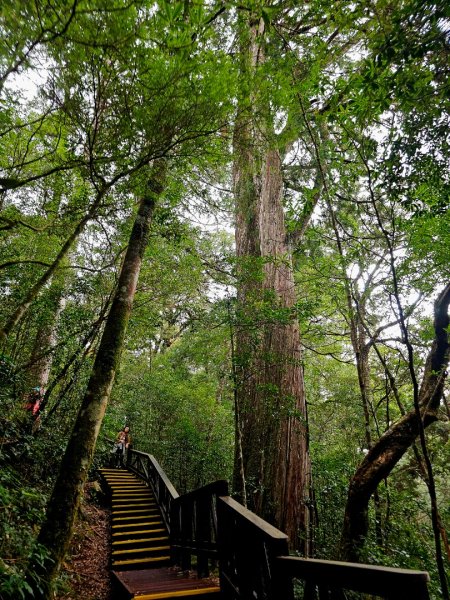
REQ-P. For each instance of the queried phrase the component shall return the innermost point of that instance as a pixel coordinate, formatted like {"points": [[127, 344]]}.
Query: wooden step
{"points": [[126, 485], [120, 534], [126, 497], [106, 470], [129, 487], [120, 478], [135, 505], [204, 592], [136, 563], [133, 518], [124, 480], [150, 550], [140, 523], [139, 542], [139, 511], [132, 494]]}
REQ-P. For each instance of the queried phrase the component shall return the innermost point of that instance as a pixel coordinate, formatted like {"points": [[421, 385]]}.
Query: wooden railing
{"points": [[327, 579], [248, 548], [207, 528], [194, 527], [147, 468]]}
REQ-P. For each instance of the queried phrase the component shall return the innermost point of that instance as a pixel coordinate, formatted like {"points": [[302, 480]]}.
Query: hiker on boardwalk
{"points": [[121, 445]]}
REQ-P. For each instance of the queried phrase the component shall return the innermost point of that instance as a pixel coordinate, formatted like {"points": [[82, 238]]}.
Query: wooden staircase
{"points": [[140, 555], [158, 537]]}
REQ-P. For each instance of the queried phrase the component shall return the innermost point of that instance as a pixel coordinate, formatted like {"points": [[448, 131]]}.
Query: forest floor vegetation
{"points": [[86, 568]]}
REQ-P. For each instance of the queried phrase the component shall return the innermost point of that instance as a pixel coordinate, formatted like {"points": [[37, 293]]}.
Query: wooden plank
{"points": [[139, 583], [370, 579], [265, 527], [178, 594], [158, 469]]}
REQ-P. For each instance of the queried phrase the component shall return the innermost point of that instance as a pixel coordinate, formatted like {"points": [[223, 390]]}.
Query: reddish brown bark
{"points": [[270, 391]]}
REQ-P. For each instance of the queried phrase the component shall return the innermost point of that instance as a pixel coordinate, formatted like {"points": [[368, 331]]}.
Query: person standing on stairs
{"points": [[123, 442]]}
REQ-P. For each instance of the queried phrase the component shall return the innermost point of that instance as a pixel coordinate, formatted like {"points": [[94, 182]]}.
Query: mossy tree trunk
{"points": [[271, 406], [392, 445], [56, 531], [45, 340]]}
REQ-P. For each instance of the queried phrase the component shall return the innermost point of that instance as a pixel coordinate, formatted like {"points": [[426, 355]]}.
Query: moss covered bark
{"points": [[271, 406], [56, 531], [388, 450]]}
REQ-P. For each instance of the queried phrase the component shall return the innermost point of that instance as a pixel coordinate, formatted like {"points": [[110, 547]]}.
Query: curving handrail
{"points": [[148, 468], [252, 555]]}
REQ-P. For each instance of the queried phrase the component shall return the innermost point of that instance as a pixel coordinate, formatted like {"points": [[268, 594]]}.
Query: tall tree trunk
{"points": [[392, 445], [56, 531], [270, 391], [45, 342]]}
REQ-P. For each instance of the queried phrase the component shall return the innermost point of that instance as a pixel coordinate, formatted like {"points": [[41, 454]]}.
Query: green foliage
{"points": [[175, 410], [21, 511], [362, 89]]}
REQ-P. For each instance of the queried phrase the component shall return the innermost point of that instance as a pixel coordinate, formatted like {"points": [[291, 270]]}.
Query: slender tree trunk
{"points": [[44, 344], [56, 531], [393, 444], [33, 293], [84, 348], [270, 391]]}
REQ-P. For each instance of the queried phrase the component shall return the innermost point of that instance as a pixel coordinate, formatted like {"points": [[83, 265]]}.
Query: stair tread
{"points": [[177, 593], [127, 483], [117, 495], [141, 540], [117, 519], [145, 504], [143, 531], [134, 501], [135, 561], [146, 524], [141, 583], [143, 511], [140, 550]]}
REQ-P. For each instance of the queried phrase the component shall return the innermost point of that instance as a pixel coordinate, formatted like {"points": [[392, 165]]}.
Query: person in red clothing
{"points": [[33, 407]]}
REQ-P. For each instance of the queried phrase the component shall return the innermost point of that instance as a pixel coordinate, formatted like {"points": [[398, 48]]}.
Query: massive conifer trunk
{"points": [[56, 531], [270, 393], [388, 450]]}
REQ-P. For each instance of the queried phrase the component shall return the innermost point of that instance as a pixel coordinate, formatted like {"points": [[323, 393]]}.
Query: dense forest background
{"points": [[226, 224]]}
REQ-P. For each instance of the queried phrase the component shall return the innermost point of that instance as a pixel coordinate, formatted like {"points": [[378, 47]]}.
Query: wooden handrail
{"points": [[194, 527], [248, 546], [147, 468], [326, 576], [253, 555]]}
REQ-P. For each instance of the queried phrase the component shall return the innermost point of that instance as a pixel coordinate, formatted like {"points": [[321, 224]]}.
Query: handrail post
{"points": [[248, 549]]}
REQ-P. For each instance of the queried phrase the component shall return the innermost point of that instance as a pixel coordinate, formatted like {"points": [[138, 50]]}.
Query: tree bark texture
{"points": [[45, 342], [270, 390], [392, 445], [56, 531]]}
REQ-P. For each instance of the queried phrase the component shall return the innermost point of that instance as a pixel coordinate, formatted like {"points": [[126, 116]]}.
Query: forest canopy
{"points": [[226, 225]]}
